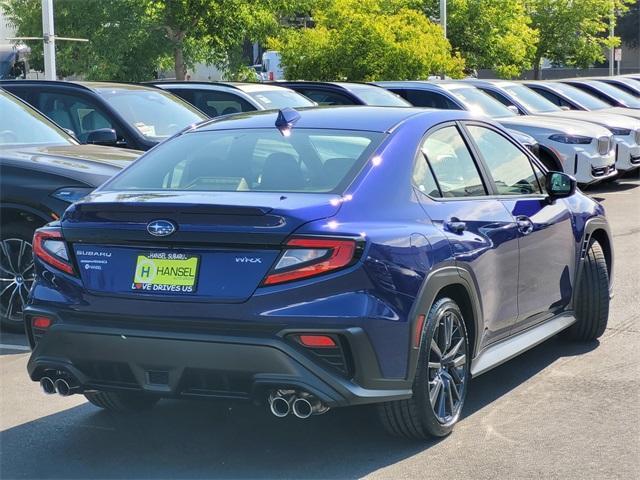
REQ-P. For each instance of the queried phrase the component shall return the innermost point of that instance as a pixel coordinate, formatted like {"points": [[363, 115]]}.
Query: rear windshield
{"points": [[22, 125], [280, 98], [377, 96], [263, 160]]}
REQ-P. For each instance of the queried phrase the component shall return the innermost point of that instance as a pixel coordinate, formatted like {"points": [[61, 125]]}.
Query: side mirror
{"points": [[102, 136], [560, 185], [565, 108], [514, 109]]}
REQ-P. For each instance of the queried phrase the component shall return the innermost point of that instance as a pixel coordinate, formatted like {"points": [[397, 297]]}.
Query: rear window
{"points": [[280, 98], [262, 160]]}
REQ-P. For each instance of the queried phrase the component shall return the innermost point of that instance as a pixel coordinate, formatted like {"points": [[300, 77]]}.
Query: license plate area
{"points": [[166, 273]]}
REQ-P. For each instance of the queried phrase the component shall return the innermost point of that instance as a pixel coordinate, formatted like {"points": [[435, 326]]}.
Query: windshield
{"points": [[261, 160], [22, 125], [585, 99], [532, 101], [477, 101], [378, 97], [155, 114], [280, 98], [615, 92]]}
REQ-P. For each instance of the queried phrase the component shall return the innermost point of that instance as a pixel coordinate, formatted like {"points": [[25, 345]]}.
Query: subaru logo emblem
{"points": [[161, 228]]}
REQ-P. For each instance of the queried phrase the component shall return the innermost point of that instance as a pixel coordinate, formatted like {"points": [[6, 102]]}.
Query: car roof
{"points": [[248, 87], [494, 82], [362, 118], [92, 86], [433, 85]]}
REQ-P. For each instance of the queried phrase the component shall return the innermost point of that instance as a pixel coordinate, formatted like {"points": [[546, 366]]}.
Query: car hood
{"points": [[91, 164], [600, 118], [627, 112], [537, 125]]}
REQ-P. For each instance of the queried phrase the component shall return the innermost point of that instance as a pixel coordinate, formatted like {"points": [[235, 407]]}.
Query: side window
{"points": [[76, 113], [553, 98], [326, 98], [501, 98], [542, 178], [220, 103], [425, 98], [452, 165], [510, 168], [423, 178]]}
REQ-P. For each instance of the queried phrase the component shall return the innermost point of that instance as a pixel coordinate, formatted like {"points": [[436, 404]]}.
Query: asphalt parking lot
{"points": [[559, 411]]}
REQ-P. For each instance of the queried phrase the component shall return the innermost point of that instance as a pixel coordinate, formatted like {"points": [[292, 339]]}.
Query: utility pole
{"points": [[612, 21], [443, 16], [49, 38]]}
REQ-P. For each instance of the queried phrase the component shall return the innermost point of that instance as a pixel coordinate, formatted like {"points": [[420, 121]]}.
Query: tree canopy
{"points": [[494, 34], [130, 39], [365, 40], [571, 32]]}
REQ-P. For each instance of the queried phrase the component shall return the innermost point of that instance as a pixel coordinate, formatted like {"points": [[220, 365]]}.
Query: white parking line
{"points": [[14, 347]]}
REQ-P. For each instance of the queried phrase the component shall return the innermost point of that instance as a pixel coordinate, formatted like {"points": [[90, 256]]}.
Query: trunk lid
{"points": [[223, 245]]}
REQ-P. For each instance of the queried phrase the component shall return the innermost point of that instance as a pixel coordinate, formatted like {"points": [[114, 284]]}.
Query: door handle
{"points": [[525, 225], [454, 225]]}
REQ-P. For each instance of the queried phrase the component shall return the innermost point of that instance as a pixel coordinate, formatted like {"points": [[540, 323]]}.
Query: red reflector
{"points": [[417, 332], [41, 322], [317, 341]]}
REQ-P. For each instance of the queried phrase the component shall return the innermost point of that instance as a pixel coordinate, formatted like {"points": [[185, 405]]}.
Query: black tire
{"points": [[592, 298], [122, 402], [16, 273], [416, 417]]}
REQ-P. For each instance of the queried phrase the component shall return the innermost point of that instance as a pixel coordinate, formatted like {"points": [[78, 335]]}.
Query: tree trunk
{"points": [[536, 68], [178, 58]]}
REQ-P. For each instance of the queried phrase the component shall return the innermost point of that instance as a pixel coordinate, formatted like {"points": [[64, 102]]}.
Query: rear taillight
{"points": [[308, 257], [50, 247]]}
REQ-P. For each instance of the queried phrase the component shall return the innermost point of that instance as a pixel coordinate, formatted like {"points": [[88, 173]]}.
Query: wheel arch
{"points": [[548, 155], [596, 228], [456, 283], [14, 213]]}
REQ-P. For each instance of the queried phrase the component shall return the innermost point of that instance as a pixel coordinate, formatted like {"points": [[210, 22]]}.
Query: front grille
{"points": [[604, 145], [602, 171], [638, 136]]}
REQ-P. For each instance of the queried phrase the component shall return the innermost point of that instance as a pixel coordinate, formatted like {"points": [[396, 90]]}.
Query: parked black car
{"points": [[346, 93], [227, 98], [141, 116], [42, 171]]}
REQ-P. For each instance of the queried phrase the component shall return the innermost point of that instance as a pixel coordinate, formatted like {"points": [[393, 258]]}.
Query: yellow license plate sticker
{"points": [[166, 272]]}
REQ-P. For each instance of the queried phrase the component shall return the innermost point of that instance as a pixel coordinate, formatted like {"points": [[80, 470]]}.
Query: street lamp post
{"points": [[49, 38], [443, 16]]}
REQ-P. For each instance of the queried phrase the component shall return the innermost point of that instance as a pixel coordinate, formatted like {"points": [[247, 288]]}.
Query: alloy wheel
{"points": [[447, 366], [16, 277]]}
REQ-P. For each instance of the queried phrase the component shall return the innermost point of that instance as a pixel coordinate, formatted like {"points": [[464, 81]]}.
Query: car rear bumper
{"points": [[206, 364]]}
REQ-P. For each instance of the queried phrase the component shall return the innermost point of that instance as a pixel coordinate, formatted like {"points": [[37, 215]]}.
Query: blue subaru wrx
{"points": [[315, 259]]}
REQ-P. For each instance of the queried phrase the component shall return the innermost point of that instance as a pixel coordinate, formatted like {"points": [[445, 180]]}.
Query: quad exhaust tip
{"points": [[47, 385], [63, 388], [301, 404]]}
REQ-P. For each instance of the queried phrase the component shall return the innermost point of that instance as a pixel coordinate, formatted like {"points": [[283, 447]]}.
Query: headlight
{"points": [[71, 194], [574, 139], [620, 131]]}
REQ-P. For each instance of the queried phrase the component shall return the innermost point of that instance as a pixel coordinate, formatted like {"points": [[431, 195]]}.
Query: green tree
{"points": [[123, 43], [573, 32], [495, 34], [364, 40], [130, 39]]}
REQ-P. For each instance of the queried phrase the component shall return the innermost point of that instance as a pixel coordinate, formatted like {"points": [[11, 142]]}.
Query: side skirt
{"points": [[499, 353]]}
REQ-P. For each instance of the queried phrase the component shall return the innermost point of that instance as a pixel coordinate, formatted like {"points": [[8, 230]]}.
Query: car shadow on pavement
{"points": [[180, 439]]}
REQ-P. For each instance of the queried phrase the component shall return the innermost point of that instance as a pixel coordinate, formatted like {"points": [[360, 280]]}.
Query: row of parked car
{"points": [[60, 140]]}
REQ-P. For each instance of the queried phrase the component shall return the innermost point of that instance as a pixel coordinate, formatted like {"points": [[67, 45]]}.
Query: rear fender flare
{"points": [[592, 225], [435, 282]]}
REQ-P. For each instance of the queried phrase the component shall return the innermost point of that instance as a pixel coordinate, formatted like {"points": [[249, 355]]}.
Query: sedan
{"points": [[317, 259], [42, 171], [227, 98]]}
